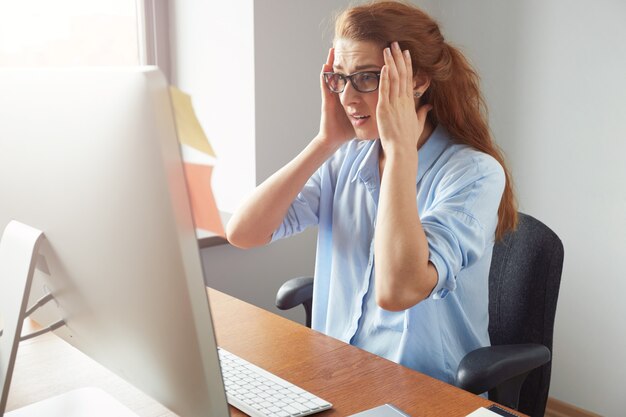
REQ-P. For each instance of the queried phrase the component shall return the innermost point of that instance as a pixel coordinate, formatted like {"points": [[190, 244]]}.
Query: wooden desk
{"points": [[352, 379]]}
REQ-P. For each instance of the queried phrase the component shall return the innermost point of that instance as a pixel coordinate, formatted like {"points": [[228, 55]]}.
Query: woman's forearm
{"points": [[260, 215], [404, 275]]}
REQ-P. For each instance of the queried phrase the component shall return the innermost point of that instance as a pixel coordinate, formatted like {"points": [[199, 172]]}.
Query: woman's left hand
{"points": [[399, 124]]}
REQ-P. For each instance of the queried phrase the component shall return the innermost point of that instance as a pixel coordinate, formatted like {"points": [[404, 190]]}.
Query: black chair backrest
{"points": [[524, 284]]}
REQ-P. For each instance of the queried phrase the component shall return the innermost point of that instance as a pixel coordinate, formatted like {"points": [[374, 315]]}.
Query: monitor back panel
{"points": [[90, 157]]}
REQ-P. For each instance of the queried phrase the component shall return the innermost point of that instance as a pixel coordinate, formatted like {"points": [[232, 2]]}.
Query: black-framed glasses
{"points": [[363, 82]]}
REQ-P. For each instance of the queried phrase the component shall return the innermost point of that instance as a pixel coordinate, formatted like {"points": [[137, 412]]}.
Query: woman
{"points": [[407, 188]]}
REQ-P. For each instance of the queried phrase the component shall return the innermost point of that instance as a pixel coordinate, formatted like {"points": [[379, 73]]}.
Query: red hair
{"points": [[454, 90]]}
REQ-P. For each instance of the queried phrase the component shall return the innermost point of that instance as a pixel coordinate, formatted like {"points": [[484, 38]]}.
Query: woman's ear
{"points": [[421, 84]]}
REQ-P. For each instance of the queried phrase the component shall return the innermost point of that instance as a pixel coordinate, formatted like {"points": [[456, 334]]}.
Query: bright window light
{"points": [[36, 33]]}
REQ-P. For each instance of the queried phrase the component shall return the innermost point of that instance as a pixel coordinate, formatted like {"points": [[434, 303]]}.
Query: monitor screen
{"points": [[90, 157]]}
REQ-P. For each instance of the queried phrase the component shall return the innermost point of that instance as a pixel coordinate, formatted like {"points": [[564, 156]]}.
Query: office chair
{"points": [[524, 281]]}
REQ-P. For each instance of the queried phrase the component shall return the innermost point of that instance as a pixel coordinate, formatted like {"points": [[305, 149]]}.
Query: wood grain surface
{"points": [[350, 378]]}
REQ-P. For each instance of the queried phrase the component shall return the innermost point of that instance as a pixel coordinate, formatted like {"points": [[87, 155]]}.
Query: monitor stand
{"points": [[19, 247], [82, 402], [19, 250]]}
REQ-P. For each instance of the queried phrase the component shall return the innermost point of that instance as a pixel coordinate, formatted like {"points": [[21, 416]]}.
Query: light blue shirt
{"points": [[458, 194]]}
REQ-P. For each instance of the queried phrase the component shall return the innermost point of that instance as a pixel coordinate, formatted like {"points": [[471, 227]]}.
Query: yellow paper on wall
{"points": [[188, 127]]}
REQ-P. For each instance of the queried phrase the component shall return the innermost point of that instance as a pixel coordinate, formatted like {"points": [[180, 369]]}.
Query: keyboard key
{"points": [[319, 402], [291, 410]]}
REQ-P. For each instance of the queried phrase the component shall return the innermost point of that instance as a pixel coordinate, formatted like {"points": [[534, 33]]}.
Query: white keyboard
{"points": [[259, 393]]}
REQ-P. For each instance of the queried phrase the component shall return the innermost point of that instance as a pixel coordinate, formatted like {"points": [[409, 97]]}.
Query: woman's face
{"points": [[357, 56]]}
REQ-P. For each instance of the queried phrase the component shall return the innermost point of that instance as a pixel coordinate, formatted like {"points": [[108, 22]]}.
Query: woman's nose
{"points": [[349, 94]]}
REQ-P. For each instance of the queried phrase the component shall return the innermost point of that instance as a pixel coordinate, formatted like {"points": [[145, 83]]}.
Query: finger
{"points": [[409, 72], [326, 93], [322, 82], [383, 87], [330, 60], [398, 58], [327, 67], [392, 73]]}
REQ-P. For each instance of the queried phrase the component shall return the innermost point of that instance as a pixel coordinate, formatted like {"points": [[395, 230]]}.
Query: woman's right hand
{"points": [[335, 127]]}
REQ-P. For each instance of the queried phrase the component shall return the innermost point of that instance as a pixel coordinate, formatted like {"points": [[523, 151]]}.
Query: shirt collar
{"points": [[431, 150], [427, 155], [368, 166]]}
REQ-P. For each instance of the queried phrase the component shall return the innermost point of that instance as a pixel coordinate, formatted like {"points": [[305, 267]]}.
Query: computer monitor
{"points": [[90, 157]]}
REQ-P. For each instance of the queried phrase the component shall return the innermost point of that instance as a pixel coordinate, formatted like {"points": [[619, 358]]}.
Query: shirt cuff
{"points": [[445, 282]]}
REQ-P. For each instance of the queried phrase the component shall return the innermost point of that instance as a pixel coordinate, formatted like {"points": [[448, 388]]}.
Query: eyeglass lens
{"points": [[363, 82]]}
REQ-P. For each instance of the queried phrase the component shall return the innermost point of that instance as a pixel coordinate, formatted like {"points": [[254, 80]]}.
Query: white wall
{"points": [[265, 109], [212, 53], [291, 44], [554, 73]]}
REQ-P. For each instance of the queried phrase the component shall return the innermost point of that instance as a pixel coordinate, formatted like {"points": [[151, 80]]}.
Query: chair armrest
{"points": [[294, 292], [484, 369]]}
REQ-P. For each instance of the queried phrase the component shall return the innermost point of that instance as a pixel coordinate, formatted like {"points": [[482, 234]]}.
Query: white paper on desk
{"points": [[483, 412], [387, 410]]}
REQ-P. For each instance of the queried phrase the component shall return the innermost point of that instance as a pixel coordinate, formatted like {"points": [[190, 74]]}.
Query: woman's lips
{"points": [[359, 120]]}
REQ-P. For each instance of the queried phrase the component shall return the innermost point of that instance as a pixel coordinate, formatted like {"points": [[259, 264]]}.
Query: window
{"points": [[60, 33]]}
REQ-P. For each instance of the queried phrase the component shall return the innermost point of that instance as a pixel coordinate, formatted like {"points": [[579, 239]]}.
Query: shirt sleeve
{"points": [[304, 210], [461, 222]]}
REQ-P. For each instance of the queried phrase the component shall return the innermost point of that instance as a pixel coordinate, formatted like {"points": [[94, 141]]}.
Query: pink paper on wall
{"points": [[205, 213]]}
